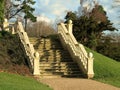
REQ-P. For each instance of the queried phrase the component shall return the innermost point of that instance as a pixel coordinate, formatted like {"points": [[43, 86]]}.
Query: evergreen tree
{"points": [[28, 10]]}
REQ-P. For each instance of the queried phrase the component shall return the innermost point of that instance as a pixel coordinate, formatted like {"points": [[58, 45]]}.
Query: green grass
{"points": [[106, 69], [17, 82]]}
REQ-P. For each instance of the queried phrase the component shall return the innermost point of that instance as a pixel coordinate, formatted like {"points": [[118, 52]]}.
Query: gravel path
{"points": [[76, 84]]}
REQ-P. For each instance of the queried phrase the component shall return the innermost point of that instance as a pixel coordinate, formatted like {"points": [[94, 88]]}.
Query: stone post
{"points": [[6, 25], [36, 64], [13, 30], [70, 25], [90, 71]]}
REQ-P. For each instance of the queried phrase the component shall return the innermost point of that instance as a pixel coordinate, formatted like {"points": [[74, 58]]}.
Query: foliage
{"points": [[1, 11], [5, 34], [109, 47], [20, 8], [28, 10], [17, 6], [88, 30], [16, 82], [106, 69], [70, 16], [12, 58]]}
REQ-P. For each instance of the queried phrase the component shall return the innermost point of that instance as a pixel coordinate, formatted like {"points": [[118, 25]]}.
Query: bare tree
{"points": [[39, 29], [115, 36]]}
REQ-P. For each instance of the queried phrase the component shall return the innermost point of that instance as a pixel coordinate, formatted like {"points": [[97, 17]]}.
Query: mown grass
{"points": [[17, 82], [106, 69]]}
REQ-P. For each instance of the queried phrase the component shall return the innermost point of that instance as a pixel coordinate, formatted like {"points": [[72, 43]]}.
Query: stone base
{"points": [[90, 76]]}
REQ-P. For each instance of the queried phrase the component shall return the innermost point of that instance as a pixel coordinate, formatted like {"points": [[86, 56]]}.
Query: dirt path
{"points": [[76, 84]]}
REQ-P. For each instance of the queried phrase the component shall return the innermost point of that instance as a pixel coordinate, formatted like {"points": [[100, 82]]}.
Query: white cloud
{"points": [[43, 18]]}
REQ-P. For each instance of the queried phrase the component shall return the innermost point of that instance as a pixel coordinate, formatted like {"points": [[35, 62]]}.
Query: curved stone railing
{"points": [[28, 48], [77, 51], [33, 56]]}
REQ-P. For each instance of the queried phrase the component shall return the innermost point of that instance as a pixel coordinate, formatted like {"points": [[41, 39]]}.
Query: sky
{"points": [[54, 9], [51, 10]]}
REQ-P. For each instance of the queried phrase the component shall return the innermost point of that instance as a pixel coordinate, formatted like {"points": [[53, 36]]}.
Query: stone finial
{"points": [[70, 22], [36, 64], [6, 25], [5, 20], [90, 72], [90, 55], [36, 54]]}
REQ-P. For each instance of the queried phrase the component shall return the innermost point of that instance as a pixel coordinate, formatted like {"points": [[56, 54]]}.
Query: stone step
{"points": [[59, 68], [44, 57], [47, 66], [49, 47], [55, 60], [55, 51], [33, 38], [53, 54], [57, 63], [57, 55], [59, 71], [62, 74]]}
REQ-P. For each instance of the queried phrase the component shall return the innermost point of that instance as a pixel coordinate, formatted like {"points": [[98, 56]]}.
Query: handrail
{"points": [[77, 51], [26, 43], [29, 49]]}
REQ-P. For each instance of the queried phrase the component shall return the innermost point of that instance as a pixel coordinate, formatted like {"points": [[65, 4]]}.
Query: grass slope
{"points": [[106, 69], [17, 82]]}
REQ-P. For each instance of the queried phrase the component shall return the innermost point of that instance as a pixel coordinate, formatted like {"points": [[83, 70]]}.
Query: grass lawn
{"points": [[106, 70], [17, 82]]}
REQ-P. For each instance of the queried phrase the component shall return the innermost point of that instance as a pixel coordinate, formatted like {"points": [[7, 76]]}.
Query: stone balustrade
{"points": [[77, 50], [32, 55]]}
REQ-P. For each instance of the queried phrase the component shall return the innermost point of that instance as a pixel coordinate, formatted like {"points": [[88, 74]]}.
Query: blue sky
{"points": [[53, 9], [50, 10]]}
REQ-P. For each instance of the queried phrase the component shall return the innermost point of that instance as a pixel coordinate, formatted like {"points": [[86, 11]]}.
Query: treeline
{"points": [[110, 46], [40, 28]]}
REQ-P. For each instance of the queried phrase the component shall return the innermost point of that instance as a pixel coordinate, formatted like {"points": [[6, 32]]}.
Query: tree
{"points": [[39, 29], [7, 8], [109, 46], [89, 29], [1, 12], [28, 10], [17, 7], [70, 16]]}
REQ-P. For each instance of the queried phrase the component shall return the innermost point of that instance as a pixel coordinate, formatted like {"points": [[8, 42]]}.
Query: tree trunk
{"points": [[25, 24]]}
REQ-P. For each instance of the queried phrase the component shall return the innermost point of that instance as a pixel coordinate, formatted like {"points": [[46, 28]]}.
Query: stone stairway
{"points": [[55, 61]]}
